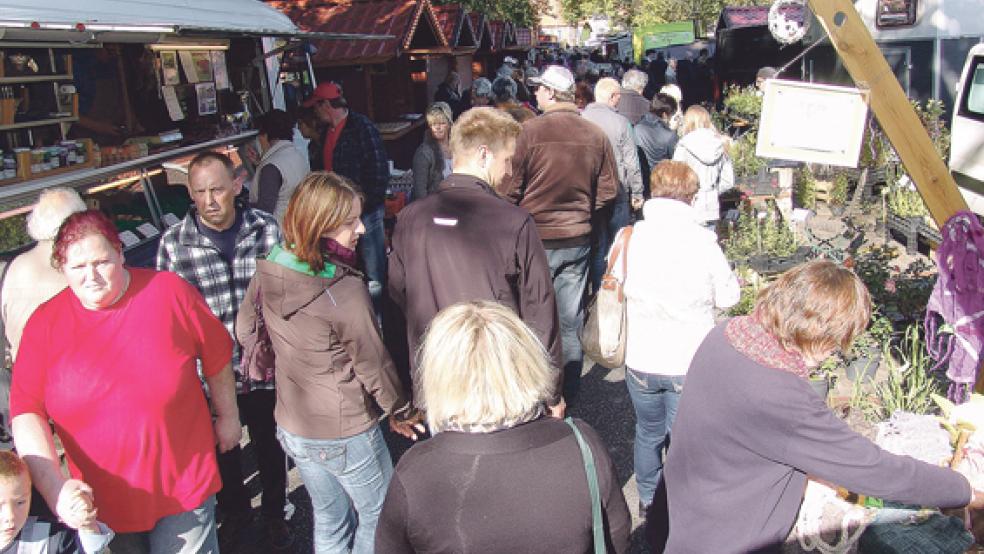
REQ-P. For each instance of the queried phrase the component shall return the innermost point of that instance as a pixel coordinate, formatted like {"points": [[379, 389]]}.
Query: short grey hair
{"points": [[635, 80], [53, 208], [482, 87], [504, 89]]}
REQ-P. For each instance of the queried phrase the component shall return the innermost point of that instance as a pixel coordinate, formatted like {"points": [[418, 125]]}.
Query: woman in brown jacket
{"points": [[334, 377]]}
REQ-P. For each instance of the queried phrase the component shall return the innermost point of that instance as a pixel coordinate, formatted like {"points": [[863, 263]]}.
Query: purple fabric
{"points": [[958, 302]]}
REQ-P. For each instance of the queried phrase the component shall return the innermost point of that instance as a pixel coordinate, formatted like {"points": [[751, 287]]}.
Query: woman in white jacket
{"points": [[706, 152], [675, 277]]}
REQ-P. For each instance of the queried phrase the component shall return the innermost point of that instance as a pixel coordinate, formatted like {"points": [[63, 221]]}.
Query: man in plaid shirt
{"points": [[215, 249]]}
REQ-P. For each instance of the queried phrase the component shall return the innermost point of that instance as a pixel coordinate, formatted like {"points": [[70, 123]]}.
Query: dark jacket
{"points": [[656, 140], [563, 170], [744, 439], [334, 376], [522, 489], [428, 169], [632, 105], [360, 156], [465, 243]]}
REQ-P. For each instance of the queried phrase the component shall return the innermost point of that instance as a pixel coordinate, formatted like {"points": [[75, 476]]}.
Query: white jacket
{"points": [[293, 168], [704, 151], [676, 276]]}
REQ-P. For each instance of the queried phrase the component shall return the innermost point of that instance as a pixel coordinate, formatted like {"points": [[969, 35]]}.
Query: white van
{"points": [[967, 138]]}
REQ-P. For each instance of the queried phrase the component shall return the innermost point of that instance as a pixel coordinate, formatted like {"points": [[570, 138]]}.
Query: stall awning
{"points": [[411, 24], [457, 27], [483, 35], [134, 20], [740, 17]]}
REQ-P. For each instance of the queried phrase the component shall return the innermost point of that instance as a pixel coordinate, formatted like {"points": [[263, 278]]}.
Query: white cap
{"points": [[556, 77], [510, 60]]}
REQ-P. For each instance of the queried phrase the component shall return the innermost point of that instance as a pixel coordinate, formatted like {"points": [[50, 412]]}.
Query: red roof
{"points": [[737, 17], [524, 38], [499, 30], [456, 27], [399, 18]]}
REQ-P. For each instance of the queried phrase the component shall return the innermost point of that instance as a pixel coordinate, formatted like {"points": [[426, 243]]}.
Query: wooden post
{"points": [[868, 68]]}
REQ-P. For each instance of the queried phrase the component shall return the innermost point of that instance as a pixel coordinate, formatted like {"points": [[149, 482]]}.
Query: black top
{"points": [[268, 184], [522, 489], [225, 241]]}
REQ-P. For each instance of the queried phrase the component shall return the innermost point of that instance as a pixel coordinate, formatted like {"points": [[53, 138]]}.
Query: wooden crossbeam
{"points": [[867, 66]]}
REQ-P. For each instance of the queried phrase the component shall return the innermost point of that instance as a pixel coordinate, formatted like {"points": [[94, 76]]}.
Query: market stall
{"points": [[99, 98], [482, 59], [457, 27]]}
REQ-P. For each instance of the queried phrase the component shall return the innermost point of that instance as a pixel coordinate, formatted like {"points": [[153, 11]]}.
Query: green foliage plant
{"points": [[910, 383], [13, 233], [805, 189]]}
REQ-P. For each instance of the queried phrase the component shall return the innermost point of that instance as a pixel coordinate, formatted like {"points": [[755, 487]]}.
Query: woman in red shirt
{"points": [[112, 360]]}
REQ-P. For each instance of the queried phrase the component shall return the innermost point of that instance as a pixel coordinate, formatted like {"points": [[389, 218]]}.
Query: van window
{"points": [[973, 104]]}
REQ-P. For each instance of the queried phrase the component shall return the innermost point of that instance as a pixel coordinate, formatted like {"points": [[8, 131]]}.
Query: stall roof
{"points": [[503, 35], [411, 25], [456, 26], [129, 18], [739, 17], [524, 38], [483, 34]]}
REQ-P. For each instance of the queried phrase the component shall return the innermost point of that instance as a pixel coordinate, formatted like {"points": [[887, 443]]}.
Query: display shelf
{"points": [[40, 123], [34, 79]]}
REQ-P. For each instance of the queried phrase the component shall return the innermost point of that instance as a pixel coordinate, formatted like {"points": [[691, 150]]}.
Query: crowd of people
{"points": [[266, 310]]}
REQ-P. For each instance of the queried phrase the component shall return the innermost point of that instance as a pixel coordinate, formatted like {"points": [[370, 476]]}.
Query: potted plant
{"points": [[865, 354], [823, 377]]}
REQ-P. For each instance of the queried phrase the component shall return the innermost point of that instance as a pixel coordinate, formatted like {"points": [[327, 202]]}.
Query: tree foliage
{"points": [[524, 13], [631, 13]]}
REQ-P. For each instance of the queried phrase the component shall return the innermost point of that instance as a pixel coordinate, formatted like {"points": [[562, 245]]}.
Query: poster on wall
{"points": [[812, 123], [173, 104], [207, 102], [169, 66], [660, 36], [219, 70]]}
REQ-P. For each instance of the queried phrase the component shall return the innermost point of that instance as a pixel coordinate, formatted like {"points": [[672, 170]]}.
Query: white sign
{"points": [[148, 230], [812, 123], [129, 239]]}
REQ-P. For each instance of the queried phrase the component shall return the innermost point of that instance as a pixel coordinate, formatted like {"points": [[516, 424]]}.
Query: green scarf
{"points": [[282, 257]]}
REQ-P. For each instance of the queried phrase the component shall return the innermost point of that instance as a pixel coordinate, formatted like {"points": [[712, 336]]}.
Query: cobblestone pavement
{"points": [[602, 401]]}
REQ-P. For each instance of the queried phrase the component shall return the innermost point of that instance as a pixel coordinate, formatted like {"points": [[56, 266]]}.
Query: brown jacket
{"points": [[563, 169], [465, 243], [334, 376]]}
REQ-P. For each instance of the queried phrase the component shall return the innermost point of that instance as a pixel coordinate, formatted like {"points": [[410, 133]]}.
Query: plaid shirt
{"points": [[186, 251], [359, 155]]}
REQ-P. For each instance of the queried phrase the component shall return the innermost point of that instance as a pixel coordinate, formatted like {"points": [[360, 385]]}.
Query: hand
{"points": [[408, 427], [75, 506], [228, 432], [637, 203], [559, 409], [251, 154]]}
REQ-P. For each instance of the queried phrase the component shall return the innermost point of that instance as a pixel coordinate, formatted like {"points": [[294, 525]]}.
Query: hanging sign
{"points": [[812, 123]]}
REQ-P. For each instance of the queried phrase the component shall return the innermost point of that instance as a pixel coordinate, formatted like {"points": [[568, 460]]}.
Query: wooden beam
{"points": [[867, 66]]}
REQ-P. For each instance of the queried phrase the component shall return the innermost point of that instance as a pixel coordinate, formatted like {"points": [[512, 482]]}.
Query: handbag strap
{"points": [[621, 246], [3, 325], [597, 525]]}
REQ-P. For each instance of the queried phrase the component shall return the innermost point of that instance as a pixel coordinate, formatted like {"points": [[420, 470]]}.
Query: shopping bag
{"points": [[603, 334]]}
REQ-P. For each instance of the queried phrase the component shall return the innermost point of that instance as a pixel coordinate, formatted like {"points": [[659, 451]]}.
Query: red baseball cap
{"points": [[324, 91]]}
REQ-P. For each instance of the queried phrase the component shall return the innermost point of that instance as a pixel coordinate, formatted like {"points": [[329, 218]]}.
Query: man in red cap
{"points": [[354, 149]]}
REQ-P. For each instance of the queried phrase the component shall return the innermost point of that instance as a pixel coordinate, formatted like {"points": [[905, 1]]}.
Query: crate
{"points": [[908, 227]]}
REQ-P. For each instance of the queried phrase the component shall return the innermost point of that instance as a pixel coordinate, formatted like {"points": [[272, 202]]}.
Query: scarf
{"points": [[751, 339], [338, 253], [287, 259]]}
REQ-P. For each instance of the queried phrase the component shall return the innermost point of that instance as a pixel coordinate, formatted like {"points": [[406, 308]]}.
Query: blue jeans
{"points": [[605, 232], [372, 248], [569, 268], [654, 398], [346, 480], [191, 532]]}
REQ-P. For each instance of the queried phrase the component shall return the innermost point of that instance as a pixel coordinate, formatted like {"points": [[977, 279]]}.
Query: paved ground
{"points": [[603, 402]]}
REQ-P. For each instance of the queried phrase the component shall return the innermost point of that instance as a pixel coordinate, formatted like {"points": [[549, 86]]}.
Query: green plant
{"points": [[909, 384], [900, 294], [838, 194], [13, 233], [759, 233], [743, 102], [745, 302], [806, 188], [743, 157]]}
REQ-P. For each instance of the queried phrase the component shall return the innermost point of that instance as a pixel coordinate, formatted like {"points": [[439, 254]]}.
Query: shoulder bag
{"points": [[603, 334], [257, 358], [597, 524]]}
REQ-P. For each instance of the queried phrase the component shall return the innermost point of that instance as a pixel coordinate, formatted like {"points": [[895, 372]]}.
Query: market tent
{"points": [[456, 26], [132, 20], [744, 43], [483, 34], [503, 35], [411, 25]]}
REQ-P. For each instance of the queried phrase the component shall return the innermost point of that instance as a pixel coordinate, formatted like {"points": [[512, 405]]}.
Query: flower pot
{"points": [[864, 366], [821, 385]]}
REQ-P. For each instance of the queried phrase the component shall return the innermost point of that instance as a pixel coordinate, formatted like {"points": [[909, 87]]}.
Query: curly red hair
{"points": [[80, 225]]}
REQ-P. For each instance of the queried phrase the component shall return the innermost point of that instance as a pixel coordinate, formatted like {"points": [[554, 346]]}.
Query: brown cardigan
{"points": [[334, 376]]}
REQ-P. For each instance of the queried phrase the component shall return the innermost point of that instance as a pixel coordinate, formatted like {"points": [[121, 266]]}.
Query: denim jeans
{"points": [[346, 480], [569, 268], [191, 532], [654, 398], [372, 249], [605, 232]]}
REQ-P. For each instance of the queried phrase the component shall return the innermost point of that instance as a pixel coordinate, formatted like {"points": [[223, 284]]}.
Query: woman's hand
{"points": [[558, 410], [76, 506], [408, 427], [228, 431]]}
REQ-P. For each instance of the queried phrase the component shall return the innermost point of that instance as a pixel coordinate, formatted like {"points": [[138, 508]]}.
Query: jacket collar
{"points": [[190, 235], [594, 106], [467, 182], [659, 209], [561, 107]]}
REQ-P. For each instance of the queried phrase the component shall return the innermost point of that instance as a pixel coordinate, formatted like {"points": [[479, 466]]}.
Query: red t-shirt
{"points": [[331, 139], [122, 388]]}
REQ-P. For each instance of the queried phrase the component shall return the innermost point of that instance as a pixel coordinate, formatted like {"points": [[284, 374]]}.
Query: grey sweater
{"points": [[745, 438]]}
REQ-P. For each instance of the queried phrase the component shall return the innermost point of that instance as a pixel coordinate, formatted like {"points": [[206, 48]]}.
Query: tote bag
{"points": [[603, 334]]}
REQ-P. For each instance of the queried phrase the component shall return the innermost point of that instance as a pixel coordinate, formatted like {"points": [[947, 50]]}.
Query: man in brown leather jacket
{"points": [[464, 242], [563, 171]]}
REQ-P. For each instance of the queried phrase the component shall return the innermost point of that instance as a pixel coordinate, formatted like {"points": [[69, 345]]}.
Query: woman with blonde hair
{"points": [[750, 428], [510, 478], [706, 152], [432, 160], [675, 278], [333, 373]]}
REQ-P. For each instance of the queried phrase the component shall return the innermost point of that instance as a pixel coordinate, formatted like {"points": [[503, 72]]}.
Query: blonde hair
{"points": [[321, 204], [605, 89], [437, 112], [674, 180], [53, 208], [480, 363], [696, 117], [484, 125], [815, 308]]}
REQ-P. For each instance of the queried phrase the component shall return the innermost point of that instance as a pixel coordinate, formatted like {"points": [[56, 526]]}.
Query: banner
{"points": [[661, 36]]}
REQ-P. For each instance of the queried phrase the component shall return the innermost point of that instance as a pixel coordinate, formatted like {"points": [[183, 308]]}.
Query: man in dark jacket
{"points": [[464, 242], [653, 134], [563, 172], [353, 149]]}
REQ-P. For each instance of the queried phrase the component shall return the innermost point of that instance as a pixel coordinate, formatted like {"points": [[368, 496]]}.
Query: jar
{"points": [[37, 160], [45, 159], [71, 156], [9, 165], [80, 152], [53, 159]]}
